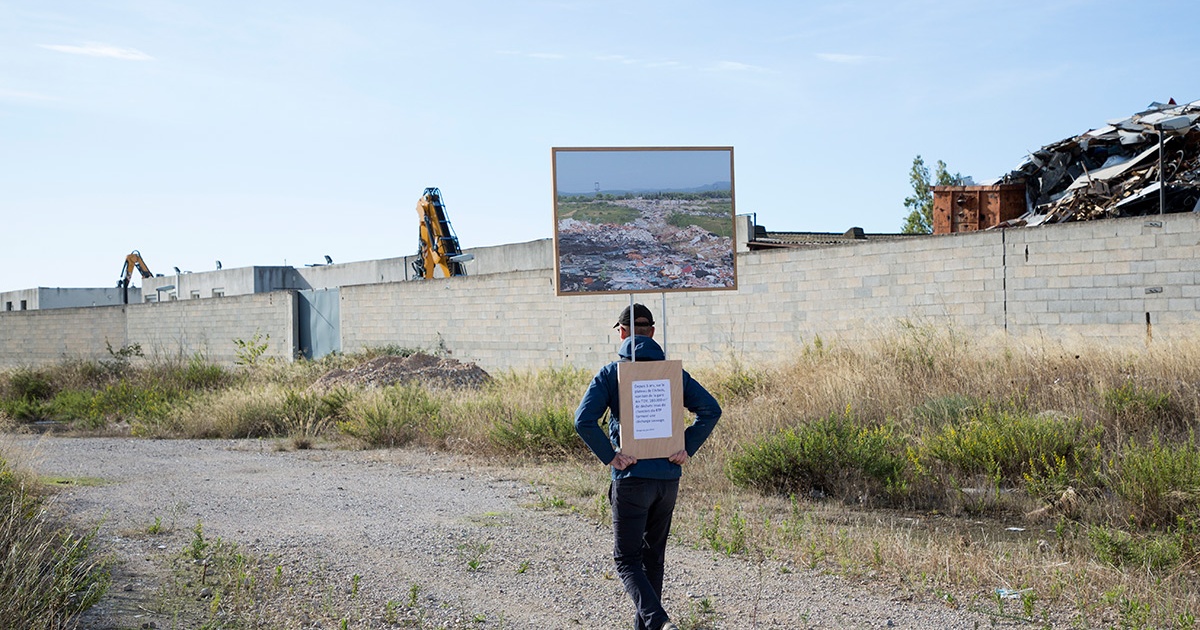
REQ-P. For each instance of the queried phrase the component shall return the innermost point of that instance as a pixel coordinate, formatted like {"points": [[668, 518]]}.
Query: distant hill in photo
{"points": [[725, 185]]}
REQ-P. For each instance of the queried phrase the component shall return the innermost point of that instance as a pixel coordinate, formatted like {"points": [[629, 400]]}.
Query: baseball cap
{"points": [[641, 316]]}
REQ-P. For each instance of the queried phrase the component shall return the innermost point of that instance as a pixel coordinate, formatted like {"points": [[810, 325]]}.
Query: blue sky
{"points": [[579, 171], [265, 133]]}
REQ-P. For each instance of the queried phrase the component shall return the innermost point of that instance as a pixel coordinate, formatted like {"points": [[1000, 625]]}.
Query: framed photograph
{"points": [[642, 220]]}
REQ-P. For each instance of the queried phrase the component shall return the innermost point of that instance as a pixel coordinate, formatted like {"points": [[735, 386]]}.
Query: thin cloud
{"points": [[9, 95], [844, 58], [618, 59], [533, 55], [630, 61], [99, 50], [737, 66]]}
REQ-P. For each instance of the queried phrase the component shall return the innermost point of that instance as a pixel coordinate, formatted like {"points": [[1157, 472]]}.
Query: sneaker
{"points": [[668, 626]]}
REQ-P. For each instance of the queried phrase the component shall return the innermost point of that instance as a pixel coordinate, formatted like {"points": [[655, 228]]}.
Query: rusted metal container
{"points": [[971, 208]]}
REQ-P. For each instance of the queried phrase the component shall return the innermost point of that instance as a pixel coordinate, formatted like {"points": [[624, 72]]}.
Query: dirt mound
{"points": [[416, 368]]}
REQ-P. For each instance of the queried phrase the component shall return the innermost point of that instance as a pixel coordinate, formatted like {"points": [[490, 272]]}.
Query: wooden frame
{"points": [[651, 394], [644, 219]]}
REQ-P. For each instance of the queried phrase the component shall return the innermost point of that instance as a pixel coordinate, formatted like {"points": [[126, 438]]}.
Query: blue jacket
{"points": [[601, 396]]}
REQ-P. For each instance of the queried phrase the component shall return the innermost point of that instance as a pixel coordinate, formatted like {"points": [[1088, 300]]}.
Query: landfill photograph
{"points": [[644, 219], [1143, 164]]}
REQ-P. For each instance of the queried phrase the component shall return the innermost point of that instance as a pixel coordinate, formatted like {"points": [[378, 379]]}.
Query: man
{"points": [[642, 492]]}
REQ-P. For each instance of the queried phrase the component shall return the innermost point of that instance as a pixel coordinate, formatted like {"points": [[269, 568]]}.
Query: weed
{"points": [[198, 547], [120, 358], [249, 352], [728, 538], [307, 415], [736, 383], [472, 555], [945, 409]]}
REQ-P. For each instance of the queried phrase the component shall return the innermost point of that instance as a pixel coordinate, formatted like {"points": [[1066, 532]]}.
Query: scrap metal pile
{"points": [[1114, 171]]}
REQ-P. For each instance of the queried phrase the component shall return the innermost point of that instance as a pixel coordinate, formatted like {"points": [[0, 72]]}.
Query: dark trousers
{"points": [[642, 510]]}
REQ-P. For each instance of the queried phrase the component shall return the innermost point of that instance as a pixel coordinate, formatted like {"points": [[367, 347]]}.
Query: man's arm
{"points": [[708, 412], [587, 421]]}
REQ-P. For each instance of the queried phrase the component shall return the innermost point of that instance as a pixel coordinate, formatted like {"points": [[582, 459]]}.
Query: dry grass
{"points": [[1112, 543], [960, 550], [49, 572]]}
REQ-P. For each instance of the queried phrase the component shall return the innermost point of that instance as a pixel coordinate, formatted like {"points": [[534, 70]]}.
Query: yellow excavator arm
{"points": [[438, 246], [133, 262]]}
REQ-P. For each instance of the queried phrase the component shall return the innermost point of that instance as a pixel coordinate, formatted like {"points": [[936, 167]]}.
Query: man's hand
{"points": [[680, 458], [623, 461]]}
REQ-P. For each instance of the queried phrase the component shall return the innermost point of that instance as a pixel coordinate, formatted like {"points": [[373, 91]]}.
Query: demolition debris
{"points": [[1116, 170], [1148, 163]]}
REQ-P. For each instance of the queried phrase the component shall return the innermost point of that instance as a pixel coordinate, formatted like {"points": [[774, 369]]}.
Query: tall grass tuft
{"points": [[48, 574], [540, 433], [393, 416]]}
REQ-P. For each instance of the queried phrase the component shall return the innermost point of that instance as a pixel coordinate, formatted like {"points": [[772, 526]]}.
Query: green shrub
{"points": [[549, 431], [72, 404], [24, 409], [1149, 552], [23, 394], [1012, 450], [1136, 407], [833, 456], [308, 414], [122, 401], [249, 352], [28, 384], [1161, 482], [394, 417]]}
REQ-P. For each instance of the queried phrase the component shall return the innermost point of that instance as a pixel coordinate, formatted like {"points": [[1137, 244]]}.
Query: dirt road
{"points": [[470, 539]]}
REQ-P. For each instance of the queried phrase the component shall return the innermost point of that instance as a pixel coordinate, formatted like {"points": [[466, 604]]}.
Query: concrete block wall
{"points": [[497, 320], [209, 327], [30, 338], [1099, 280], [786, 298], [1081, 280], [1119, 279]]}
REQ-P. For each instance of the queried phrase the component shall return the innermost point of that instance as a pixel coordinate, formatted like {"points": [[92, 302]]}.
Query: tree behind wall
{"points": [[920, 204]]}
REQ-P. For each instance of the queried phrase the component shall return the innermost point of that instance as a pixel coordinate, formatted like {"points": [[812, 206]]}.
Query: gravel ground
{"points": [[400, 518]]}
